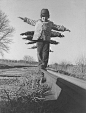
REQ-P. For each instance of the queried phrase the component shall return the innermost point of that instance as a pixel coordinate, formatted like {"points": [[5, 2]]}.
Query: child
{"points": [[42, 32]]}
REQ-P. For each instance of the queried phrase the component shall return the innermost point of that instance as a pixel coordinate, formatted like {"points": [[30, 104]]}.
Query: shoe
{"points": [[44, 69], [43, 80]]}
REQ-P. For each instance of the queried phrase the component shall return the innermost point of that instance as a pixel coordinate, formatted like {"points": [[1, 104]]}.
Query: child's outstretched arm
{"points": [[59, 28], [30, 21]]}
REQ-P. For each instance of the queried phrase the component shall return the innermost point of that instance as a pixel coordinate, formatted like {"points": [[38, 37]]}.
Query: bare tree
{"points": [[81, 62], [28, 58], [5, 32], [64, 65]]}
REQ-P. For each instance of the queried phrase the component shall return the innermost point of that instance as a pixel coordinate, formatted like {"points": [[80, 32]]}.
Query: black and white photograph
{"points": [[42, 56]]}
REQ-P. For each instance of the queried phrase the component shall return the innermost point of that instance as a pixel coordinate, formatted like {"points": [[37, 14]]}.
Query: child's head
{"points": [[45, 14]]}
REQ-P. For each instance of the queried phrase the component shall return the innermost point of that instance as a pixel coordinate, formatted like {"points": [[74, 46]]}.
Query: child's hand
{"points": [[68, 30], [25, 19]]}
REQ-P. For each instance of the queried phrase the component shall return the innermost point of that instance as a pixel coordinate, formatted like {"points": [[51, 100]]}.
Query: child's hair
{"points": [[45, 12]]}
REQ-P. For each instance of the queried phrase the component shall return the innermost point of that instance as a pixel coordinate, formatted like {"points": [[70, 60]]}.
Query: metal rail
{"points": [[76, 81], [74, 90]]}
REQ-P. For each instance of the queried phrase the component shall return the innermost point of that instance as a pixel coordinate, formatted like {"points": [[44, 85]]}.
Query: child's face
{"points": [[44, 18]]}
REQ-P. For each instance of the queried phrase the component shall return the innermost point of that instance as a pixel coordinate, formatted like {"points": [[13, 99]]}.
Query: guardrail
{"points": [[72, 97]]}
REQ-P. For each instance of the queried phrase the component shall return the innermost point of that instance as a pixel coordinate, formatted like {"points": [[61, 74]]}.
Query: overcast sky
{"points": [[70, 13]]}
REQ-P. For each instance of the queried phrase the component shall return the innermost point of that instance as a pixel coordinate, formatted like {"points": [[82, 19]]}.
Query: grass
{"points": [[25, 94]]}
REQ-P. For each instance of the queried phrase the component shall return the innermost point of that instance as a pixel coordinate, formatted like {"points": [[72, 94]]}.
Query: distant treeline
{"points": [[17, 61]]}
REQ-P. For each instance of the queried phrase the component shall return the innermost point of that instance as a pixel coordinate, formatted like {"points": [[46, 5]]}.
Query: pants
{"points": [[43, 53]]}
